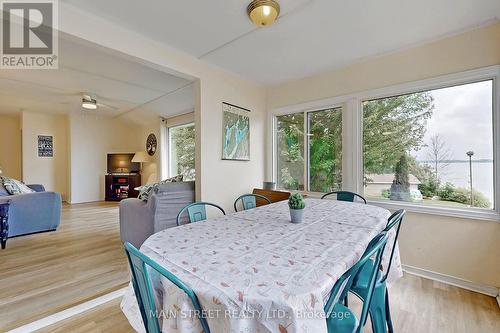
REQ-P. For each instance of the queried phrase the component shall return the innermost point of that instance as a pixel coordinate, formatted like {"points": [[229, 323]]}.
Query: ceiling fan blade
{"points": [[107, 106]]}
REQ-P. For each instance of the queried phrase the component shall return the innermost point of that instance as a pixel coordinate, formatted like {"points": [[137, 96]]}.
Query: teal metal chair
{"points": [[339, 318], [140, 265], [249, 201], [196, 212], [379, 309], [345, 196]]}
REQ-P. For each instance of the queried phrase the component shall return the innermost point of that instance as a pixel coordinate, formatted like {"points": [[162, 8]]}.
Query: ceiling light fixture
{"points": [[89, 103], [263, 12]]}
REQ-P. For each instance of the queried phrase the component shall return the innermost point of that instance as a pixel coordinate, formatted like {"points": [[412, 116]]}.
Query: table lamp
{"points": [[140, 157]]}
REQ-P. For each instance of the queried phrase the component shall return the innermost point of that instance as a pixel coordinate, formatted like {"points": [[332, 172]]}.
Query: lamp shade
{"points": [[140, 156]]}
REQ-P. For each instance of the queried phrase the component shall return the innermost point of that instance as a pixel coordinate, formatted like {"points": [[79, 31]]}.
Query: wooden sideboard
{"points": [[272, 195]]}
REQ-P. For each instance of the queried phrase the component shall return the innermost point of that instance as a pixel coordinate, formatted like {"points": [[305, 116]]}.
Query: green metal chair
{"points": [[140, 265], [345, 196], [249, 201], [339, 318], [379, 307], [197, 211]]}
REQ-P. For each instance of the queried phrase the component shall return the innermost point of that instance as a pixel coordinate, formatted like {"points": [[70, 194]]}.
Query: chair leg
{"points": [[378, 310], [388, 312]]}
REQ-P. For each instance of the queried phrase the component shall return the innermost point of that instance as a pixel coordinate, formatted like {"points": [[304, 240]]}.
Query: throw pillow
{"points": [[14, 186], [3, 190], [148, 189]]}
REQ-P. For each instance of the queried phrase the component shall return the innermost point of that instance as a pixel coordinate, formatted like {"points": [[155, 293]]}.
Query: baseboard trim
{"points": [[65, 314], [454, 281]]}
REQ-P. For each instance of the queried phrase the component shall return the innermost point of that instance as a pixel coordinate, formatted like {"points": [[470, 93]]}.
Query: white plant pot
{"points": [[296, 215]]}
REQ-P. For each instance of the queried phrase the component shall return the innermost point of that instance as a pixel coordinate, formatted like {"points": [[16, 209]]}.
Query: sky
{"points": [[462, 117]]}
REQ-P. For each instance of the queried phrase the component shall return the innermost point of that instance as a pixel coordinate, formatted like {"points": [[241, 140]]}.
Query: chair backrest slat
{"points": [[196, 212], [144, 292], [345, 196], [339, 291], [394, 221], [249, 201], [141, 282]]}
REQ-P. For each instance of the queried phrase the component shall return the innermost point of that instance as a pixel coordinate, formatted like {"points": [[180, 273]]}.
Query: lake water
{"points": [[457, 173]]}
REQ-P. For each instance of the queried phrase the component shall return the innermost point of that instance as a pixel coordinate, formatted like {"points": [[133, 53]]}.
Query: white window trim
{"points": [[273, 123], [169, 143], [352, 136]]}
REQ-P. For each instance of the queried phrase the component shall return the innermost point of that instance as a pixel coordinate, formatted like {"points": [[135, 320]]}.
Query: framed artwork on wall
{"points": [[45, 146], [151, 144], [235, 133]]}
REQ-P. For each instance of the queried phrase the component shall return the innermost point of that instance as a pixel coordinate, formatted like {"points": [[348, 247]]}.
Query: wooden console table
{"points": [[122, 186], [272, 195]]}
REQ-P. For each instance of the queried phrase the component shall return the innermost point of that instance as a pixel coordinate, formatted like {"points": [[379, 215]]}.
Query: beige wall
{"points": [[474, 49], [224, 180], [463, 248], [91, 139], [10, 146], [151, 170], [48, 171]]}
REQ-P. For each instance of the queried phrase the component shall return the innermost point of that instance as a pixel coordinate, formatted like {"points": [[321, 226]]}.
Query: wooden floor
{"points": [[418, 306], [45, 273]]}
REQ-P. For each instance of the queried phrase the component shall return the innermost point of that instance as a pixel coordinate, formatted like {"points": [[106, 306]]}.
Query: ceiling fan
{"points": [[89, 102]]}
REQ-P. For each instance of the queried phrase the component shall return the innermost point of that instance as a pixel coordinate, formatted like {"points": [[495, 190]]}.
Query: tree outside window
{"points": [[415, 146], [182, 151]]}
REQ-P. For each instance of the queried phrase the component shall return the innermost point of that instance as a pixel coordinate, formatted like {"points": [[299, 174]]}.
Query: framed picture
{"points": [[235, 133], [45, 146], [151, 144]]}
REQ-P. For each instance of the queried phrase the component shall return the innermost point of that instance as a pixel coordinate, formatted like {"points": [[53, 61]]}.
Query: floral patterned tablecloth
{"points": [[255, 272]]}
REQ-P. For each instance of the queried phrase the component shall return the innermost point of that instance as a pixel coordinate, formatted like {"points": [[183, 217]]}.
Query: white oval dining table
{"points": [[256, 272]]}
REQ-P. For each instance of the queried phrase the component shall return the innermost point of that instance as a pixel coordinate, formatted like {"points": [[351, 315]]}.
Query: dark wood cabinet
{"points": [[122, 186]]}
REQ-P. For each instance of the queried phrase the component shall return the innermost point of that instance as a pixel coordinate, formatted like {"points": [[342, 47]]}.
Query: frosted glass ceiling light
{"points": [[263, 12]]}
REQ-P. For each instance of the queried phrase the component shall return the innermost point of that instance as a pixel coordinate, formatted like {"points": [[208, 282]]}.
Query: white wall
{"points": [[463, 248], [182, 119], [91, 139], [10, 146], [223, 180], [48, 171]]}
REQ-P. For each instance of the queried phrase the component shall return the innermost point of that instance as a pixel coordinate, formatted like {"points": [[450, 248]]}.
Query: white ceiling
{"points": [[311, 35], [123, 85]]}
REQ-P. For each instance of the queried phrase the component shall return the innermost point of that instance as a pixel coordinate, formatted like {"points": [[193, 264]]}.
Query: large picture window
{"points": [[317, 168], [182, 151], [432, 148]]}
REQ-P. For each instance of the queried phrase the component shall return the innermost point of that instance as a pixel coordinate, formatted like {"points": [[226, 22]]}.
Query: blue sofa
{"points": [[33, 212]]}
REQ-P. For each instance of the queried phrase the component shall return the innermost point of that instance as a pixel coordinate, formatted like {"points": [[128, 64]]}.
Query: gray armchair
{"points": [[33, 212], [139, 219]]}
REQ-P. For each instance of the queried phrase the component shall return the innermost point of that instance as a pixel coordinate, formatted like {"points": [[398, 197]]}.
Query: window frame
{"points": [[274, 140], [352, 136], [169, 144]]}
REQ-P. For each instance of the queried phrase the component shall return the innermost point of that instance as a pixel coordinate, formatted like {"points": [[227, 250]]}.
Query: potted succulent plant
{"points": [[296, 204]]}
